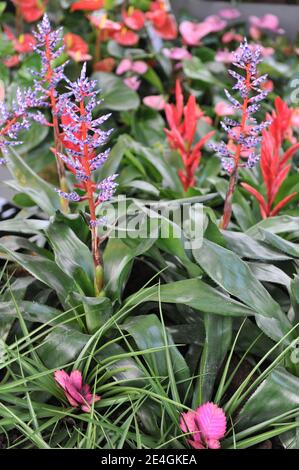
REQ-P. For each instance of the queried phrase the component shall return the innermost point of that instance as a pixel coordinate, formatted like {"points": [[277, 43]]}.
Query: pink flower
{"points": [[295, 118], [231, 36], [192, 33], [177, 53], [126, 65], [255, 33], [225, 57], [229, 13], [132, 82], [216, 24], [207, 424], [224, 109], [155, 102], [77, 393], [267, 51], [268, 21]]}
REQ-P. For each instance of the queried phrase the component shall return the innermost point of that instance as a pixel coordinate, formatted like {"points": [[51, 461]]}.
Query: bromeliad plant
{"points": [[82, 138], [244, 134], [275, 164], [182, 121]]}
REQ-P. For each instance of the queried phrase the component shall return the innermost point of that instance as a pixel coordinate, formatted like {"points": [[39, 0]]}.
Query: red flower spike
{"points": [[182, 121], [274, 166]]}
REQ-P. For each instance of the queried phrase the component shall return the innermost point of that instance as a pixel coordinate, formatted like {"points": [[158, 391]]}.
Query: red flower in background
{"points": [[105, 65], [133, 18], [164, 23], [76, 47], [31, 10], [125, 37], [23, 44], [87, 5], [275, 165], [182, 121]]}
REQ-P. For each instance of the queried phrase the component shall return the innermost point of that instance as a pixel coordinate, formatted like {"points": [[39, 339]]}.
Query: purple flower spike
{"points": [[74, 197], [246, 134]]}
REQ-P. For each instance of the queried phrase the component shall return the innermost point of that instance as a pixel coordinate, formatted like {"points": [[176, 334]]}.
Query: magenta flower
{"points": [[126, 65], [132, 82], [77, 393], [205, 426], [192, 33], [268, 22], [177, 53], [155, 102], [226, 57], [216, 24], [223, 108], [229, 13]]}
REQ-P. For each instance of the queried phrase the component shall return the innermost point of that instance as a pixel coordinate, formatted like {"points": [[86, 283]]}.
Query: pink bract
{"points": [[78, 394], [206, 426]]}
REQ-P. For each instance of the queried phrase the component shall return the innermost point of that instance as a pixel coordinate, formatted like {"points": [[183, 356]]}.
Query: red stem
{"points": [[89, 186], [227, 212]]}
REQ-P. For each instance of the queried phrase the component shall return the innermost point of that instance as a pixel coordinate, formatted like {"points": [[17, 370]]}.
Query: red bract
{"points": [[125, 37], [163, 23], [275, 164], [182, 121], [133, 18], [76, 47], [87, 5], [31, 10]]}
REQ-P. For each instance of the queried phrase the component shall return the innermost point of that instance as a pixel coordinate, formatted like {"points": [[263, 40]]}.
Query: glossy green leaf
{"points": [[116, 95], [72, 256], [30, 183], [193, 293], [232, 274]]}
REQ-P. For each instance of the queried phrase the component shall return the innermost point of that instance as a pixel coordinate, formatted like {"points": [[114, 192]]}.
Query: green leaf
{"points": [[118, 261], [247, 247], [43, 269], [72, 256], [62, 346], [116, 95], [97, 311], [234, 275], [147, 332], [197, 70], [193, 293], [2, 7], [217, 341], [30, 183], [277, 394], [148, 126], [292, 249]]}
